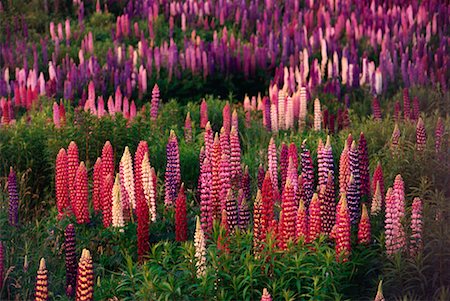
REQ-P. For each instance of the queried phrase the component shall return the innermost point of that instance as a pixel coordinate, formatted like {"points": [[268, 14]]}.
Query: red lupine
{"points": [[61, 183], [107, 186], [325, 162], [188, 128], [154, 103], [378, 178], [203, 114], [284, 161], [216, 158], [293, 154], [85, 278], [301, 228], [206, 206], [80, 195], [273, 163], [71, 259], [342, 231], [406, 104], [97, 190], [328, 205], [72, 166], [415, 242], [180, 216], [226, 117], [315, 218], [172, 175], [364, 165], [364, 235], [438, 134], [288, 215], [376, 110], [421, 135], [41, 290], [267, 203], [307, 175], [62, 113], [235, 157], [142, 210], [344, 169]]}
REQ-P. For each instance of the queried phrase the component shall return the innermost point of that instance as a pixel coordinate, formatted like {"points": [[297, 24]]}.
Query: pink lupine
{"points": [[201, 158], [203, 114], [281, 110], [97, 182], [72, 166], [364, 235], [325, 162], [344, 169], [188, 128], [208, 136], [395, 210], [273, 164], [56, 116], [225, 143], [288, 215], [80, 195], [284, 161], [364, 165], [235, 120], [266, 296], [216, 159], [206, 206], [315, 218], [61, 183], [273, 118], [301, 229], [421, 135], [258, 226], [226, 117], [235, 157], [224, 178], [438, 134], [155, 102], [415, 242], [173, 174]]}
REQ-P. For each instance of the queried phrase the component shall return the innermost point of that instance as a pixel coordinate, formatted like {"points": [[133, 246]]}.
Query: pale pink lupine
{"points": [[395, 211], [290, 113], [282, 110], [148, 187], [56, 117], [415, 242], [274, 118]]}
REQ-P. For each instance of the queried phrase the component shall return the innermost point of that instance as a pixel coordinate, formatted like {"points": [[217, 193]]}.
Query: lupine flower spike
{"points": [[307, 175], [395, 138], [72, 166], [344, 169], [200, 249], [235, 157], [328, 205], [301, 229], [325, 162], [317, 115], [41, 291], [142, 210], [421, 135], [126, 180], [117, 212], [315, 219], [154, 103], [180, 216], [378, 178], [257, 220], [364, 165], [203, 114], [97, 189], [438, 134], [81, 195], [379, 296], [71, 259], [206, 206], [288, 217], [377, 200], [231, 211], [415, 242], [85, 278], [173, 174], [148, 187], [188, 128], [266, 296], [364, 234], [244, 213], [342, 230], [13, 199]]}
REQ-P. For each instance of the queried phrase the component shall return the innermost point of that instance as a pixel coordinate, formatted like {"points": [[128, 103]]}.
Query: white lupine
{"points": [[378, 82], [317, 115], [147, 185], [126, 165], [117, 213], [200, 249]]}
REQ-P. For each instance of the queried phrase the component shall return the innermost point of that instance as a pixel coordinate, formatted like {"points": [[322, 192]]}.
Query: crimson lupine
{"points": [[81, 194], [344, 169], [438, 134], [301, 228], [364, 165], [203, 114], [188, 128], [180, 216], [315, 219], [288, 215], [293, 154], [415, 242], [71, 259], [284, 161], [307, 175], [364, 235], [154, 103], [97, 182], [325, 162], [328, 206], [142, 210], [376, 110], [206, 206], [267, 206], [107, 168], [173, 174], [61, 183], [72, 166], [85, 278], [421, 135], [342, 231], [41, 290]]}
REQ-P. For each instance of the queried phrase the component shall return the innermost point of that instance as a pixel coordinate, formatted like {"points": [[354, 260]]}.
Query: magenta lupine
{"points": [[173, 175], [273, 164], [203, 114], [188, 128], [235, 157], [421, 135], [201, 158], [226, 117], [293, 153], [155, 102], [438, 134], [307, 175], [293, 176], [376, 110], [61, 183], [284, 161], [364, 165], [206, 208], [415, 242], [325, 162], [406, 104], [224, 177], [13, 195]]}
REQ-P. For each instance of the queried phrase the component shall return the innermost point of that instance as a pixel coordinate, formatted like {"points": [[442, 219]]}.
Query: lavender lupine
{"points": [[173, 174], [13, 195]]}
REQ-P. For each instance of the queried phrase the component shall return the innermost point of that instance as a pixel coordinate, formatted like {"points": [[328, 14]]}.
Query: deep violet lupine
{"points": [[342, 231], [180, 216], [13, 195], [325, 162], [206, 206], [85, 277], [364, 165], [364, 235], [203, 114], [328, 206], [354, 200], [421, 135], [376, 110], [61, 183], [257, 220], [344, 169], [235, 157], [438, 134], [315, 218], [188, 128], [288, 216], [244, 212], [41, 289], [226, 117], [97, 182], [307, 175], [273, 163], [173, 174], [415, 242], [267, 206], [231, 210], [142, 210], [154, 103], [301, 227], [260, 176], [81, 194], [71, 259], [72, 166], [266, 296], [284, 161]]}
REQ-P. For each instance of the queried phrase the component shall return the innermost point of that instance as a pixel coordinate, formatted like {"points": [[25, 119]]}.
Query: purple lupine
{"points": [[354, 200], [364, 165], [353, 158], [307, 188], [325, 162], [284, 161], [155, 102], [13, 198], [172, 175]]}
